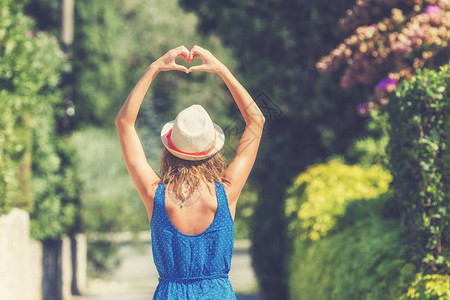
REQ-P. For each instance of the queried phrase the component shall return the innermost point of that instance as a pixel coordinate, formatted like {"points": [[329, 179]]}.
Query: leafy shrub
{"points": [[371, 149], [433, 287], [109, 201], [36, 166], [420, 163], [244, 213], [320, 194], [363, 261], [30, 64], [56, 185], [341, 246], [103, 258]]}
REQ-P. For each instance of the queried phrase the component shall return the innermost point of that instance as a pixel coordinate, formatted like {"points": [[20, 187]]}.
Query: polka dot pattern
{"points": [[193, 266]]}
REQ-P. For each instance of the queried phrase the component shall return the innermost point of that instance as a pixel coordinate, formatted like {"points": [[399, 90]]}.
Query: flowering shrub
{"points": [[436, 287], [413, 36], [343, 244], [321, 194]]}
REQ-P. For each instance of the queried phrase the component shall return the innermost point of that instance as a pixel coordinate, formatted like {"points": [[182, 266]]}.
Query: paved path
{"points": [[137, 278]]}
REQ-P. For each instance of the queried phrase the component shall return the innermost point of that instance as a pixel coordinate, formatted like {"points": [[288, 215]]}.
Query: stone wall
{"points": [[25, 263]]}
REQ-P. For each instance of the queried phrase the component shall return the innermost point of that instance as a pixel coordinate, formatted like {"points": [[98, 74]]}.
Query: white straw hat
{"points": [[192, 135]]}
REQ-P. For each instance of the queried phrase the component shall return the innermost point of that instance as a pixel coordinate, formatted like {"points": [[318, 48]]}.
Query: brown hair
{"points": [[176, 171]]}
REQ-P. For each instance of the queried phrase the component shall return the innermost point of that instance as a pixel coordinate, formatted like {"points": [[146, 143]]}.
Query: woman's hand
{"points": [[167, 61], [209, 62]]}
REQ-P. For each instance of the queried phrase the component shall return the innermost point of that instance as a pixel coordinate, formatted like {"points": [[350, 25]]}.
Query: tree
{"points": [[37, 168], [404, 36]]}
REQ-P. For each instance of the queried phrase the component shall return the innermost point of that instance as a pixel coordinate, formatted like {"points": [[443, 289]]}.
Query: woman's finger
{"points": [[179, 68], [194, 56], [198, 68], [182, 52], [184, 48], [197, 51]]}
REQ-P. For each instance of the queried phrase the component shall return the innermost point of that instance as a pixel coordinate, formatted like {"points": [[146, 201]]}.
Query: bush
{"points": [[341, 247], [109, 199], [30, 66], [433, 287], [56, 185], [363, 261], [244, 213], [103, 258], [420, 164], [320, 194], [371, 149], [36, 167]]}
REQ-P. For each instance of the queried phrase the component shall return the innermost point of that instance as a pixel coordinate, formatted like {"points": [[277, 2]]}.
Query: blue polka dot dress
{"points": [[192, 266]]}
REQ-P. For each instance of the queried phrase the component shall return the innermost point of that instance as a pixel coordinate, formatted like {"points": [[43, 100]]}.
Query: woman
{"points": [[193, 231]]}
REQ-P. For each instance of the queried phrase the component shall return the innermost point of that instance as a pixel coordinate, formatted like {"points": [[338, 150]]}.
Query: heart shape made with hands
{"points": [[186, 62], [189, 58]]}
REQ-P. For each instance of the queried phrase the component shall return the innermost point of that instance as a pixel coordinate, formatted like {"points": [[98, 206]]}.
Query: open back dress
{"points": [[192, 266]]}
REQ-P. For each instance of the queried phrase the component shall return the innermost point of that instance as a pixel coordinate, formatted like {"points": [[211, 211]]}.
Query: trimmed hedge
{"points": [[364, 261], [341, 246], [420, 164]]}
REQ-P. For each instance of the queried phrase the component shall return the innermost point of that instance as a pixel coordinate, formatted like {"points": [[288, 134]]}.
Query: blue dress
{"points": [[192, 266]]}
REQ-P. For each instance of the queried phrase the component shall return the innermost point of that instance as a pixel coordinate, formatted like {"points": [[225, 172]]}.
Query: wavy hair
{"points": [[177, 171]]}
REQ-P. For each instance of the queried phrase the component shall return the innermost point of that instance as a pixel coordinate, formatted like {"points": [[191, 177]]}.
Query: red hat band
{"points": [[207, 151]]}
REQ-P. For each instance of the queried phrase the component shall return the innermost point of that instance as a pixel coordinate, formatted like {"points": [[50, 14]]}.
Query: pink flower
{"points": [[387, 83], [362, 110], [433, 9], [365, 108]]}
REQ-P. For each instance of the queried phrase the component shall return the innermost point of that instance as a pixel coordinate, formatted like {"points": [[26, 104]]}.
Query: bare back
{"points": [[196, 218]]}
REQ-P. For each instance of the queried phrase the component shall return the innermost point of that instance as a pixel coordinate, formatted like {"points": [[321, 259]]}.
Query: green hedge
{"points": [[341, 244], [420, 164], [36, 166], [320, 195], [364, 261], [55, 181], [432, 287], [109, 199], [22, 74]]}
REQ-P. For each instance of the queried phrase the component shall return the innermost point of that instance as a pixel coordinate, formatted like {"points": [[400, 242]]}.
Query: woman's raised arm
{"points": [[143, 176], [235, 176]]}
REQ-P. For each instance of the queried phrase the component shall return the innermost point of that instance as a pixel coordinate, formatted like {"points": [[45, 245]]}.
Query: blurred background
{"points": [[349, 196]]}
